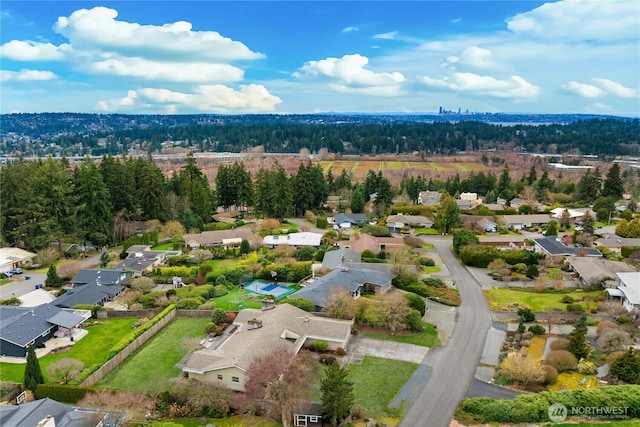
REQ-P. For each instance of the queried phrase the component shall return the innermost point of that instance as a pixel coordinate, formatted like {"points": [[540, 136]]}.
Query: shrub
{"points": [[320, 346], [219, 316], [478, 256], [427, 262], [189, 303], [520, 267], [219, 291], [62, 392], [622, 319], [413, 321], [614, 339], [322, 222], [550, 374], [416, 302], [614, 356], [327, 359], [606, 324], [575, 308], [341, 351], [562, 360], [302, 303], [559, 344], [537, 329], [586, 368], [567, 299], [532, 272], [526, 314], [627, 367]]}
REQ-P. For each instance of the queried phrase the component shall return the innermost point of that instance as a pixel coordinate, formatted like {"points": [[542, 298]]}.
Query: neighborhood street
{"points": [[453, 366]]}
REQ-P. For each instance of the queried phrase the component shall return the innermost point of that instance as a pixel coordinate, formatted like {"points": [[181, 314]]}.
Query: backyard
{"points": [[92, 349], [502, 299], [151, 367]]}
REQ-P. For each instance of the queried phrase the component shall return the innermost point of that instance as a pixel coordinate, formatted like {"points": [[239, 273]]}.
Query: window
{"points": [[235, 379], [220, 377]]}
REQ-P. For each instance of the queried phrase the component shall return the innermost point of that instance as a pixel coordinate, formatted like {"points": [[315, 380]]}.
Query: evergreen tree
{"points": [[32, 372], [105, 257], [384, 195], [94, 202], [337, 395], [504, 183], [627, 367], [552, 229], [245, 246], [343, 181], [578, 340], [589, 186], [448, 215], [151, 187], [53, 280], [533, 176], [357, 201], [613, 186], [588, 223]]}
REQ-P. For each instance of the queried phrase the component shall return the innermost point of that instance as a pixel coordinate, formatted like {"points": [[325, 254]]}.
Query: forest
{"points": [[78, 135], [50, 200]]}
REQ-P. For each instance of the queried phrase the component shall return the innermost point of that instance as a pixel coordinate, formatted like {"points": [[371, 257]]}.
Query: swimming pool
{"points": [[262, 287]]}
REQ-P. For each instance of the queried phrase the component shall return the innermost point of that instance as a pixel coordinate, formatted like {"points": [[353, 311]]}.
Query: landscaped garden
{"points": [[151, 367], [93, 349], [509, 299]]}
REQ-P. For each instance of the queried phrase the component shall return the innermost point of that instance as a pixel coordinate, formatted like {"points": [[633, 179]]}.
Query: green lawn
{"points": [[163, 247], [428, 338], [151, 366], [377, 381], [237, 421], [536, 301], [429, 270], [92, 349], [238, 299], [4, 281], [425, 231]]}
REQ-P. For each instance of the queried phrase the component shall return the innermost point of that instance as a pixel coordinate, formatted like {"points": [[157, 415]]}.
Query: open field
{"points": [[377, 381], [92, 349], [502, 298], [151, 367]]}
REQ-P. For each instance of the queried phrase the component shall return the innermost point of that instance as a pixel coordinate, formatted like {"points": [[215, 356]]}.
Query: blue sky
{"points": [[232, 57]]}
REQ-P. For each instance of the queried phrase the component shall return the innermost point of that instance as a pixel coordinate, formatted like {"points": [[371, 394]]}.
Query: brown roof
{"points": [[216, 237], [362, 242]]}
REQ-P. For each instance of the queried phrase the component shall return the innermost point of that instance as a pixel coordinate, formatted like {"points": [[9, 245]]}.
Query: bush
{"points": [[219, 291], [413, 321], [566, 299], [550, 374], [219, 316], [537, 329], [627, 367], [62, 392], [322, 222], [562, 360], [327, 359], [586, 368], [606, 324], [189, 303], [341, 351], [427, 262], [532, 272], [416, 302], [559, 344], [520, 267], [301, 303], [478, 256], [320, 346], [526, 314], [575, 308]]}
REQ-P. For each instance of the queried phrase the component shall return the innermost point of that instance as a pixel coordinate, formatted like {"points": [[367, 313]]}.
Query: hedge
{"points": [[533, 408], [62, 392], [626, 251], [131, 336], [176, 271]]}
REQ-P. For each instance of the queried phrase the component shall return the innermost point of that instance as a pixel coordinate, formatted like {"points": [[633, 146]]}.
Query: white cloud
{"points": [[206, 98], [615, 88], [26, 75], [514, 87], [26, 50], [98, 28], [583, 90], [348, 74], [350, 29], [193, 72], [456, 20], [472, 56], [386, 36], [579, 20]]}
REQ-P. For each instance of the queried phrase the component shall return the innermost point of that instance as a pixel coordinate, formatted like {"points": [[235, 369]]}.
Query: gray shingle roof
{"points": [[87, 294], [22, 325], [348, 279], [337, 257], [107, 277], [353, 218], [555, 248], [31, 413]]}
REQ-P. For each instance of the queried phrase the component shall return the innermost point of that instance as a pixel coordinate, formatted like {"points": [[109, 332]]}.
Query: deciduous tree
{"points": [[65, 370]]}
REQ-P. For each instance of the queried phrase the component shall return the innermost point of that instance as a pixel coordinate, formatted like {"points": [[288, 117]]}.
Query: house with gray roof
{"points": [[593, 272], [101, 276], [343, 220], [395, 223], [94, 287], [261, 332], [553, 247], [429, 198], [21, 327], [141, 258], [628, 290], [518, 222], [50, 413], [339, 256], [343, 281]]}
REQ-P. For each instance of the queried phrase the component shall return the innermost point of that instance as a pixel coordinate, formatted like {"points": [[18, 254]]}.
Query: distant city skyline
{"points": [[236, 57]]}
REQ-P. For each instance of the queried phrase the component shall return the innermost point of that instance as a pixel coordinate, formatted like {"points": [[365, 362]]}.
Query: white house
{"points": [[298, 240], [629, 290]]}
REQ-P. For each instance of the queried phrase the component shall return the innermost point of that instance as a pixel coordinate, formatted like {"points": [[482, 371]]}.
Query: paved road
{"points": [[21, 286], [454, 365]]}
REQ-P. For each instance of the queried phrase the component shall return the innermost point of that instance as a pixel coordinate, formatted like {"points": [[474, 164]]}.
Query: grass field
{"points": [[163, 247], [428, 338], [92, 349], [237, 299], [237, 421], [151, 367], [501, 298], [430, 270], [361, 168], [377, 381]]}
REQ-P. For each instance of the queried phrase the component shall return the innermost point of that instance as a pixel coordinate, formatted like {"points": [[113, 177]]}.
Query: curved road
{"points": [[453, 366]]}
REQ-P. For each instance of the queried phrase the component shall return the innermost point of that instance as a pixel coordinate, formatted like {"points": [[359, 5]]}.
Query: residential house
{"points": [[395, 223], [141, 258], [363, 241], [554, 248], [347, 221], [465, 205], [572, 215], [429, 198], [472, 197], [11, 258], [628, 290], [261, 332], [515, 203], [519, 222], [494, 206], [487, 225], [226, 239], [343, 281], [482, 222], [615, 243], [50, 413], [502, 241], [344, 257], [297, 240], [593, 272], [94, 287], [21, 327]]}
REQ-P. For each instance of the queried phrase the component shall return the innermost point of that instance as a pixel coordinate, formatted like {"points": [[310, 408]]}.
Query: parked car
{"points": [[7, 274], [16, 270]]}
